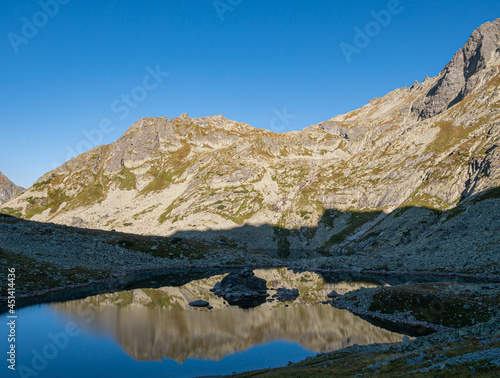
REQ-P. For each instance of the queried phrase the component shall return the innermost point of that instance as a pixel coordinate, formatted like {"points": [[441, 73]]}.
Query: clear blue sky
{"points": [[243, 61]]}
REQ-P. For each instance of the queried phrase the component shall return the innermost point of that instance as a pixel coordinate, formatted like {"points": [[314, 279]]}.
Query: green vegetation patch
{"points": [[445, 304], [343, 364], [427, 201], [488, 194], [38, 185], [127, 179], [33, 275], [448, 136], [91, 194], [10, 211], [356, 220], [55, 198], [163, 177]]}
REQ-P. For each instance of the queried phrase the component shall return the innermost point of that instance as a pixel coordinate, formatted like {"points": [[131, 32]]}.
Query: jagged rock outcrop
{"points": [[8, 189], [312, 190], [463, 74]]}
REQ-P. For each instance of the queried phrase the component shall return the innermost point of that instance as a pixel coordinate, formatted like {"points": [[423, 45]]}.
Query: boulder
{"points": [[333, 295], [199, 303], [242, 289], [286, 295]]}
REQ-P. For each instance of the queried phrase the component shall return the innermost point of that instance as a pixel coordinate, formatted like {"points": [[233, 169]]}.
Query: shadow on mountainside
{"points": [[345, 233], [337, 232], [470, 232]]}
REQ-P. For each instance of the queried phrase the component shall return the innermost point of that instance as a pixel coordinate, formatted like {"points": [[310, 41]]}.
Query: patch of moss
{"points": [[171, 248], [148, 210], [55, 198], [488, 194], [90, 195]]}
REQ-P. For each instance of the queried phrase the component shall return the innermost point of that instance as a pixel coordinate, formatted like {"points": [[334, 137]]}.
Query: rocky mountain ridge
{"points": [[8, 189], [414, 152]]}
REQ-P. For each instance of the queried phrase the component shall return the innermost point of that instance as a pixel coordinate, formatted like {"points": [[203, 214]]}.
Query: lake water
{"points": [[153, 331]]}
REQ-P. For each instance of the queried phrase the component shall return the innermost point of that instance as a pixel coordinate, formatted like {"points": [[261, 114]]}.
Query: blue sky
{"points": [[71, 67]]}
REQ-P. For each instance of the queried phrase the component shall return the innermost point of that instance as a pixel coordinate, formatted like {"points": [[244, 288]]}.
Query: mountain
{"points": [[8, 189], [417, 167]]}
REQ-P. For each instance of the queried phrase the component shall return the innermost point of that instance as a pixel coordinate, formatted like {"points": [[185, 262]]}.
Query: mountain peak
{"points": [[8, 189], [466, 71], [188, 175], [3, 179]]}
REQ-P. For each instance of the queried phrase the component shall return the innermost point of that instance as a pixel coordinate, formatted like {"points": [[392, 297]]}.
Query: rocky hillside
{"points": [[8, 189], [419, 157]]}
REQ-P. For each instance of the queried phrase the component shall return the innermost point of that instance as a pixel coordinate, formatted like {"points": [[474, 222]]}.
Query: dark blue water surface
{"points": [[90, 354], [153, 332]]}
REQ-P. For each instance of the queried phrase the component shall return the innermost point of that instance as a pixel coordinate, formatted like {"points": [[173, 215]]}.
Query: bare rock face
{"points": [[460, 77], [8, 189], [334, 128]]}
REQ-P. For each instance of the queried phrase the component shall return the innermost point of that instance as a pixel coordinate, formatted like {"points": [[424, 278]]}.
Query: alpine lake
{"points": [[146, 327]]}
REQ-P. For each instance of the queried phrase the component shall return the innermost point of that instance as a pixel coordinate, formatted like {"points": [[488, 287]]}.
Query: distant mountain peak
{"points": [[459, 78], [8, 189]]}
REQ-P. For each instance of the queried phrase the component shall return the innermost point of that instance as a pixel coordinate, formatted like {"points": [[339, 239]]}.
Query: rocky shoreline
{"points": [[117, 280], [401, 324], [448, 349]]}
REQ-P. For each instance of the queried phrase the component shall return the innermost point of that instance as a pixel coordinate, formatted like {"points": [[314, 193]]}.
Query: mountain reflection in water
{"points": [[152, 324]]}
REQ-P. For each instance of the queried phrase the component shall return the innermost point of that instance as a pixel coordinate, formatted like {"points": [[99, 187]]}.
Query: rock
{"points": [[199, 303], [8, 189], [286, 295], [89, 245], [247, 272], [242, 289], [141, 297], [243, 282], [458, 78], [333, 295]]}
